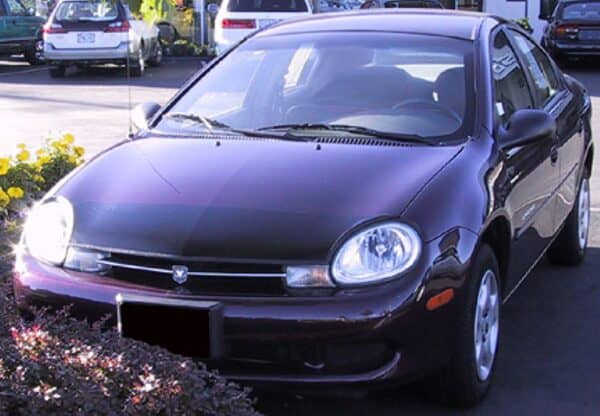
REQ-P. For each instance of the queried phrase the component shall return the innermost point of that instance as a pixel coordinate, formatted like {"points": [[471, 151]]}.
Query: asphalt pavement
{"points": [[549, 361]]}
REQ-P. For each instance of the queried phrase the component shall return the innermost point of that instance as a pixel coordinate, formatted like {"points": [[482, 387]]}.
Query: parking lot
{"points": [[550, 355]]}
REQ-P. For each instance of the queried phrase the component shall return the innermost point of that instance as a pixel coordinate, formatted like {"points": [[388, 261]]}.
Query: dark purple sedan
{"points": [[343, 200]]}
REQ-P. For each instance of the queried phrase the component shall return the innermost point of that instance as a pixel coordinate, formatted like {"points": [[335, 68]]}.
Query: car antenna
{"points": [[129, 110]]}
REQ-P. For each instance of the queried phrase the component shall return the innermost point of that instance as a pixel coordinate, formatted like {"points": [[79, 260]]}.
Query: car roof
{"points": [[443, 22]]}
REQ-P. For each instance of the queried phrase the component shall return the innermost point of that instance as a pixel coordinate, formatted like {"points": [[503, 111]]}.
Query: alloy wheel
{"points": [[584, 212], [487, 324]]}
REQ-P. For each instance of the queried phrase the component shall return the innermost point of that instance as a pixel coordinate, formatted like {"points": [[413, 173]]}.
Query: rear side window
{"points": [[90, 11], [545, 83], [510, 84], [267, 6]]}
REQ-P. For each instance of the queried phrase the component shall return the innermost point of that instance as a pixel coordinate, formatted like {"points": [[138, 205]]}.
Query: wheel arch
{"points": [[497, 235]]}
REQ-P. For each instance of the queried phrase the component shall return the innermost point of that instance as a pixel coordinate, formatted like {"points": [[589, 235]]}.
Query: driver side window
{"points": [[511, 91], [15, 8]]}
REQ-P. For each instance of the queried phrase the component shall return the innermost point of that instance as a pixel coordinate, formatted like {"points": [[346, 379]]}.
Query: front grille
{"points": [[204, 277]]}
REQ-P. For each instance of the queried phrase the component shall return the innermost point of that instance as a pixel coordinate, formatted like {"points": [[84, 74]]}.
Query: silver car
{"points": [[93, 32]]}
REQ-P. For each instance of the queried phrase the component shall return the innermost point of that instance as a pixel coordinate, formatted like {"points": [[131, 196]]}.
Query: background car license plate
{"points": [[86, 37], [189, 328], [262, 23], [589, 35]]}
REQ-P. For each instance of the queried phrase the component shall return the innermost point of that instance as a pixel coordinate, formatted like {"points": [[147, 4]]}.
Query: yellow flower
{"points": [[73, 159], [41, 152], [4, 165], [23, 155], [4, 199], [79, 151], [22, 146], [39, 179], [68, 138], [60, 146], [15, 192]]}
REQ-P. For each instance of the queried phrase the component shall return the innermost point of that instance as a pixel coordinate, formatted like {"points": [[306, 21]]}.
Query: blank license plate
{"points": [[193, 329], [86, 37]]}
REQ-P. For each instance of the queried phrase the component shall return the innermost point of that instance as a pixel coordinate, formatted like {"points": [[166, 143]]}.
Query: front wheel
{"points": [[570, 246], [467, 378]]}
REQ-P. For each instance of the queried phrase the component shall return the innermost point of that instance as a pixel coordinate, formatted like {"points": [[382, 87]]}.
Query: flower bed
{"points": [[25, 177], [53, 364]]}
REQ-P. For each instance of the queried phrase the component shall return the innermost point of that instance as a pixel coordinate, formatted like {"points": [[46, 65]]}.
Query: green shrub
{"points": [[26, 177]]}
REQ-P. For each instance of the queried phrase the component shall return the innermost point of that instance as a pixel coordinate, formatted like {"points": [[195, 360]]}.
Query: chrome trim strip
{"points": [[380, 373], [199, 274]]}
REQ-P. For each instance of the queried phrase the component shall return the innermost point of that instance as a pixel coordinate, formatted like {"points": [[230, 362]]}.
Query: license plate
{"points": [[589, 35], [190, 328], [86, 37], [262, 23]]}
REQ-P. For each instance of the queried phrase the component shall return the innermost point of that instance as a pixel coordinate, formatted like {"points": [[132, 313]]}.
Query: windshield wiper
{"points": [[209, 123], [363, 131], [212, 124]]}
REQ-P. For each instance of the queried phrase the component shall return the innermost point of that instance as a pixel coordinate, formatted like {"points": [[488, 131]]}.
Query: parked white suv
{"points": [[92, 32], [237, 19]]}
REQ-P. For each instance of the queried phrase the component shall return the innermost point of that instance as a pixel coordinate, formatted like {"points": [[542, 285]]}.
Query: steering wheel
{"points": [[420, 103]]}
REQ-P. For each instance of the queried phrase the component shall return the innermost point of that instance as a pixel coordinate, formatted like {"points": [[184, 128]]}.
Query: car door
{"points": [[141, 31], [3, 23], [20, 24], [555, 98], [531, 171]]}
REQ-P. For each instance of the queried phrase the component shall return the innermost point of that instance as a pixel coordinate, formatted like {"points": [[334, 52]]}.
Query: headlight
{"points": [[48, 230], [376, 253]]}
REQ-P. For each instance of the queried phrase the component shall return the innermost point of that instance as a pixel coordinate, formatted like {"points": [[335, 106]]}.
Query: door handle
{"points": [[553, 155]]}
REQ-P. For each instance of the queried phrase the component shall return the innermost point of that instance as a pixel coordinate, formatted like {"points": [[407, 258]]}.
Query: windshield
{"points": [[582, 11], [397, 83], [267, 6], [411, 4], [94, 10]]}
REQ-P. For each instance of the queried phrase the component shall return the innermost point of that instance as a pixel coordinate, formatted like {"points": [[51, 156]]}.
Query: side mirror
{"points": [[142, 114], [525, 127], [212, 9]]}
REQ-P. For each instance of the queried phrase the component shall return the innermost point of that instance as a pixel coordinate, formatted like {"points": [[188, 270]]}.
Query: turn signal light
{"points": [[238, 24], [440, 299], [121, 26], [566, 30]]}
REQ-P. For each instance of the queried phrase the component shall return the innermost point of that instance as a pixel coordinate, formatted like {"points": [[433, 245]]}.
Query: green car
{"points": [[20, 31]]}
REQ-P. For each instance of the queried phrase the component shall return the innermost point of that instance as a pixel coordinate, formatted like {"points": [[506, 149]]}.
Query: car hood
{"points": [[242, 199]]}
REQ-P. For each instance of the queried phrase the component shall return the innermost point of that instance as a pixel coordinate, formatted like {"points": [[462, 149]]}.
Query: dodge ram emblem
{"points": [[180, 274]]}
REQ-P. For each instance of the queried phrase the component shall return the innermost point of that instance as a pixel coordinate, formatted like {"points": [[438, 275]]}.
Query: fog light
{"points": [[308, 276], [83, 260]]}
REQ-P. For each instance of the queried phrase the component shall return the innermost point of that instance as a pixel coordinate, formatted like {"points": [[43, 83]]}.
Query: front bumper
{"points": [[575, 48], [359, 337], [117, 55]]}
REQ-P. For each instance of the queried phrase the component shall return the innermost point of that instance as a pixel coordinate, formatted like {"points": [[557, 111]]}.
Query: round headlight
{"points": [[376, 253], [48, 230]]}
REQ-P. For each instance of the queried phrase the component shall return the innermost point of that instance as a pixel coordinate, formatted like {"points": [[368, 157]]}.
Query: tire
{"points": [[57, 71], [33, 55], [468, 376], [138, 67], [570, 246], [156, 60]]}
